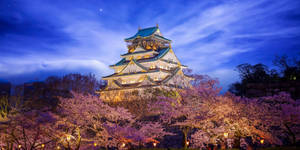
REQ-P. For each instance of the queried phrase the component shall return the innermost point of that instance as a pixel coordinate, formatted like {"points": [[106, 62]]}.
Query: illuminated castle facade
{"points": [[149, 63]]}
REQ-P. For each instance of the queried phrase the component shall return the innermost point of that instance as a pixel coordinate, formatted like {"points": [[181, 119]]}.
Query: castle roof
{"points": [[139, 52], [136, 73], [155, 83], [161, 53], [146, 32]]}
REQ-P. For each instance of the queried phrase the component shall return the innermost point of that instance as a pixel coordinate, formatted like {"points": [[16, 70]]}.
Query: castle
{"points": [[149, 63]]}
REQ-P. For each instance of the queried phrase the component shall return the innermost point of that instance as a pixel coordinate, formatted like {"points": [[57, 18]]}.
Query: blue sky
{"points": [[39, 38]]}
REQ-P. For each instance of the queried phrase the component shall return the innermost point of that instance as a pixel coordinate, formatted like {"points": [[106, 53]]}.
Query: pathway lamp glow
{"points": [[123, 145], [154, 144], [226, 135], [68, 138], [187, 143]]}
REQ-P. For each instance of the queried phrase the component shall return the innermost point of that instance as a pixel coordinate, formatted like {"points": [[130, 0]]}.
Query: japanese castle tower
{"points": [[149, 63]]}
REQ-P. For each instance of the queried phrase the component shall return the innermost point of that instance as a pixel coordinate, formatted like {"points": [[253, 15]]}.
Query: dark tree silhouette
{"points": [[289, 68], [258, 80], [38, 95], [86, 84]]}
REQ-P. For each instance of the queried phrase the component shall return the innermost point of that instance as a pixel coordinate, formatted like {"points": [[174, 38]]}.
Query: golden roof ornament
{"points": [[148, 47], [154, 47]]}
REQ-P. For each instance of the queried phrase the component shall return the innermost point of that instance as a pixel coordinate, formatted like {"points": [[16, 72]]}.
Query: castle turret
{"points": [[149, 63]]}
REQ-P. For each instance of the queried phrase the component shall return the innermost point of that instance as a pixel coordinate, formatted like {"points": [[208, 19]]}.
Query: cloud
{"points": [[88, 43], [12, 67], [226, 76], [217, 33], [290, 32]]}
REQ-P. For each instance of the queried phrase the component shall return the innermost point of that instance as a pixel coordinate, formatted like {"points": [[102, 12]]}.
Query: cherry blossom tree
{"points": [[80, 122], [88, 115], [284, 113], [224, 118], [228, 117], [176, 110], [217, 119], [103, 125], [28, 130]]}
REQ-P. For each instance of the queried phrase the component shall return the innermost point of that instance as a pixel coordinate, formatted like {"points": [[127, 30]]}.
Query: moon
{"points": [[100, 9]]}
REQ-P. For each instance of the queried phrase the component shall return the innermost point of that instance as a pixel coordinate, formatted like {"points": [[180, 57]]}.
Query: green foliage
{"points": [[258, 80], [4, 106], [163, 92], [171, 93], [135, 92]]}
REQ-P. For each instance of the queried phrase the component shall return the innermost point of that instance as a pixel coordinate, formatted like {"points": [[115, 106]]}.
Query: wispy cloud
{"points": [[37, 64], [209, 39], [211, 32]]}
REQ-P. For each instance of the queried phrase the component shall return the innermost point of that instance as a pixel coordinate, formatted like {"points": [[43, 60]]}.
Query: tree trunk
{"points": [[185, 134], [184, 139], [215, 147], [223, 145], [290, 132], [249, 147]]}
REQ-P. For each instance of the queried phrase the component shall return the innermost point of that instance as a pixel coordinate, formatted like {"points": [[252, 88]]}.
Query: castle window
{"points": [[141, 79], [131, 50], [152, 66]]}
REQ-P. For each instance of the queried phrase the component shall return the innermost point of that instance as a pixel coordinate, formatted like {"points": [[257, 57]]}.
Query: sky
{"points": [[40, 38]]}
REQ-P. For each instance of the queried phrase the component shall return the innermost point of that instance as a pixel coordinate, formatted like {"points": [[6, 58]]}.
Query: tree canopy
{"points": [[258, 80]]}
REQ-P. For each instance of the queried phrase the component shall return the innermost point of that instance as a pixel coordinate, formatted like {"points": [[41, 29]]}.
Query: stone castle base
{"points": [[118, 95]]}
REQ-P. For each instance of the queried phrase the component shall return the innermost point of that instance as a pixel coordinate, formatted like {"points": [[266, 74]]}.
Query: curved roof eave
{"points": [[160, 55]]}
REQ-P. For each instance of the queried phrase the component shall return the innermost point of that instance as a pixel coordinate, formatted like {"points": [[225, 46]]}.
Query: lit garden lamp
{"points": [[43, 145], [123, 145], [226, 135], [19, 146], [68, 138], [95, 144], [154, 144], [58, 147], [262, 141], [187, 143]]}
